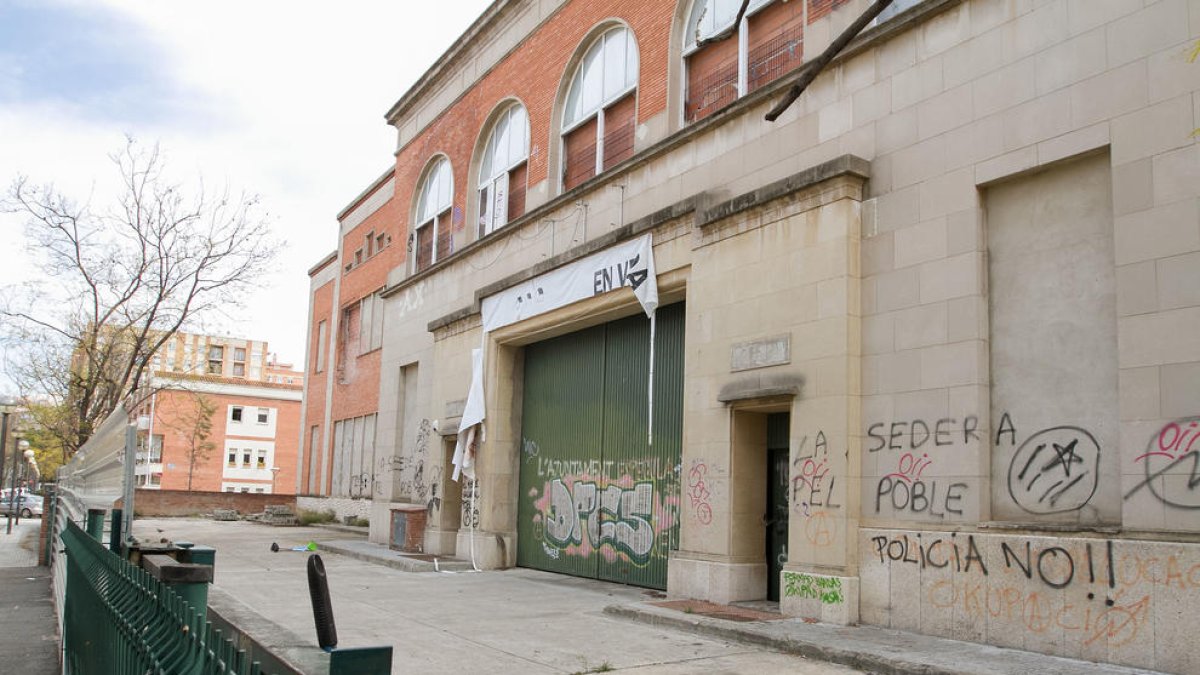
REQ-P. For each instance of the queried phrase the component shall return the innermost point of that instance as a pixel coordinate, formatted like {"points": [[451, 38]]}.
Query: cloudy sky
{"points": [[281, 98]]}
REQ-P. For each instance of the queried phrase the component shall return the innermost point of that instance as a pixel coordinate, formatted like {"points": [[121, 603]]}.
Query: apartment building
{"points": [[222, 415], [826, 359]]}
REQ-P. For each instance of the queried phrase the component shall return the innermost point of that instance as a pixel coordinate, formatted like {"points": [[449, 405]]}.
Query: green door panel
{"points": [[597, 499]]}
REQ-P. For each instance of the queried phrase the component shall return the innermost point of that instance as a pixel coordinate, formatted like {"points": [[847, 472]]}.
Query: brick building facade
{"points": [[925, 348]]}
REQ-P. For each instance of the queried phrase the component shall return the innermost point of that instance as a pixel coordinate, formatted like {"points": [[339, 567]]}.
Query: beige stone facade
{"points": [[964, 262]]}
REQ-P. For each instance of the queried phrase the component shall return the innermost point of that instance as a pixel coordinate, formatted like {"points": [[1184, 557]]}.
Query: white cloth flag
{"points": [[470, 427], [629, 264]]}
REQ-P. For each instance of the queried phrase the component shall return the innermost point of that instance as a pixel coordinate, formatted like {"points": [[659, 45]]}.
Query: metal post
{"points": [[114, 538], [130, 461], [95, 524], [3, 443]]}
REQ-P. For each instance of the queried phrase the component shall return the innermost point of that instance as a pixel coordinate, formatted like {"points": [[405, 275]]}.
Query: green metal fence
{"points": [[119, 620]]}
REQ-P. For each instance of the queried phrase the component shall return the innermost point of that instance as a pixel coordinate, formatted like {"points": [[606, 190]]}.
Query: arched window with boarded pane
{"points": [[600, 113], [433, 239], [768, 42], [503, 170]]}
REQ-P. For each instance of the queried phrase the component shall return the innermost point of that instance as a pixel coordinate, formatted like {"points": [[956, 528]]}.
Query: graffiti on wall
{"points": [[1171, 465], [618, 509], [813, 486], [697, 492], [806, 586], [1054, 470], [1094, 589], [907, 490]]}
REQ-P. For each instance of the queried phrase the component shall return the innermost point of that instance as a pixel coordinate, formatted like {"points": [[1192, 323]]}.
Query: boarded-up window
{"points": [[580, 150], [712, 81], [776, 43], [1053, 321], [619, 121]]}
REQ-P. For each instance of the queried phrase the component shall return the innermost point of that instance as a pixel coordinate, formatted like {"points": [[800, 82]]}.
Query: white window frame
{"points": [[440, 176], [493, 175], [237, 413], [604, 101], [263, 416]]}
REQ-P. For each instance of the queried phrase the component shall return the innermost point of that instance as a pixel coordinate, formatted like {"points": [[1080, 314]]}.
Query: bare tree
{"points": [[193, 421], [119, 282]]}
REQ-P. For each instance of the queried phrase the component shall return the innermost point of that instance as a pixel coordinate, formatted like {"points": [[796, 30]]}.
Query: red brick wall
{"points": [[525, 75], [148, 503], [173, 411]]}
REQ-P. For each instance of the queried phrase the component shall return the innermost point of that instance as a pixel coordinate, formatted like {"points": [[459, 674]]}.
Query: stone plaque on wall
{"points": [[774, 351]]}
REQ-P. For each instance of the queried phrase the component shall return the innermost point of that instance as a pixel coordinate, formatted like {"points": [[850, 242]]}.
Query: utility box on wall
{"points": [[408, 528]]}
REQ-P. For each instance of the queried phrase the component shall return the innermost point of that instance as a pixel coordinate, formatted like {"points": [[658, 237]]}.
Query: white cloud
{"points": [[285, 99]]}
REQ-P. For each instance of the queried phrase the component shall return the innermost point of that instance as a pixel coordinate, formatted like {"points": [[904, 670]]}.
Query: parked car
{"points": [[29, 505]]}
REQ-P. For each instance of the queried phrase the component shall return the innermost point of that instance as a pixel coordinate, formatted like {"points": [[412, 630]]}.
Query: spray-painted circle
{"points": [[1055, 470]]}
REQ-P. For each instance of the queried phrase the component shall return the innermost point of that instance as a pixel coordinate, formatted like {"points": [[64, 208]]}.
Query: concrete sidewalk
{"points": [[526, 621], [28, 628]]}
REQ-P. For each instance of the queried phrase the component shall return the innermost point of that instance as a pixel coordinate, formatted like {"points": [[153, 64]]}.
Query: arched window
{"points": [[601, 108], [767, 43], [503, 170], [433, 234]]}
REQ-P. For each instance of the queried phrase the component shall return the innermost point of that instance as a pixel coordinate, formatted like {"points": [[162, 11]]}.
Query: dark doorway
{"points": [[776, 517]]}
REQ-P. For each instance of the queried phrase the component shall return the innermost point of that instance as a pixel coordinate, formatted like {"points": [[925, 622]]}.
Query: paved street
{"points": [[514, 621]]}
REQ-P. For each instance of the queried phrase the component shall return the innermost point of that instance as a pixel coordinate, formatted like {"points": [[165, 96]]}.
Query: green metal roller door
{"points": [[596, 499]]}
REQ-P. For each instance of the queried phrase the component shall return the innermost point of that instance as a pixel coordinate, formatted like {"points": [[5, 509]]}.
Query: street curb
{"points": [[871, 649], [395, 559]]}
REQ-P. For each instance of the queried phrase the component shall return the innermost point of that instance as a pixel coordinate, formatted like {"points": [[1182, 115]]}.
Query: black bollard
{"points": [[318, 589]]}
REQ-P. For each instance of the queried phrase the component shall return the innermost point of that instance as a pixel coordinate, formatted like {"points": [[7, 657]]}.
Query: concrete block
{"points": [[1004, 88], [952, 191], [1076, 59], [878, 252], [1141, 34], [828, 599], [945, 111], [1042, 27], [1138, 389], [897, 209], [919, 162], [1179, 281], [1040, 119], [1006, 165], [897, 290], [953, 277], [1159, 232], [872, 103], [1159, 338], [1110, 94], [1137, 288], [964, 231], [921, 326], [915, 84], [897, 130], [943, 32], [1154, 130], [1084, 15], [953, 365], [835, 119], [1180, 390], [1132, 187], [920, 243], [1176, 174], [1171, 74], [966, 319], [1073, 143], [898, 371], [980, 140]]}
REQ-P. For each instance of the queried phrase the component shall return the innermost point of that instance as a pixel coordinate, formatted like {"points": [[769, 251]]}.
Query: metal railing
{"points": [[119, 620]]}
